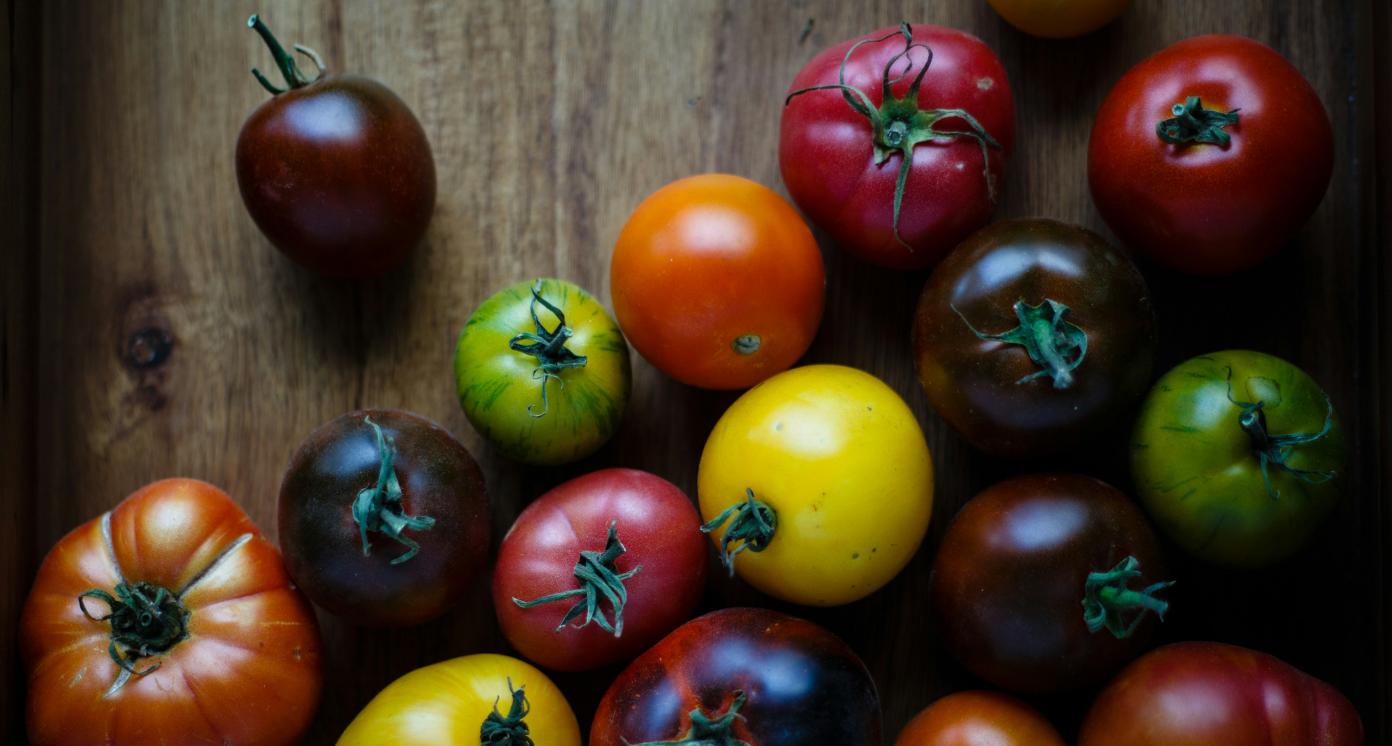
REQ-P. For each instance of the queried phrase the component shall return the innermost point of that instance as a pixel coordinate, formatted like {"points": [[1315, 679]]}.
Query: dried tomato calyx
{"points": [[146, 620]]}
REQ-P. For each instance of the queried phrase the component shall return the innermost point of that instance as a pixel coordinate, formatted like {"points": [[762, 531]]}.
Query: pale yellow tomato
{"points": [[1059, 19], [448, 702], [817, 484]]}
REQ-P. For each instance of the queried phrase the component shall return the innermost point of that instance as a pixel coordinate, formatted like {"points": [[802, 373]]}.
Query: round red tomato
{"points": [[1210, 155], [598, 569], [169, 619], [1208, 693], [979, 719], [717, 282], [899, 179], [748, 677]]}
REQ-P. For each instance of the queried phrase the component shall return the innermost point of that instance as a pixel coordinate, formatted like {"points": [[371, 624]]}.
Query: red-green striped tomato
{"points": [[542, 372]]}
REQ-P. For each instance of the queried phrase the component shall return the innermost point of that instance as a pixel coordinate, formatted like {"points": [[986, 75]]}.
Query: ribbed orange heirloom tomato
{"points": [[979, 718], [718, 282], [168, 620]]}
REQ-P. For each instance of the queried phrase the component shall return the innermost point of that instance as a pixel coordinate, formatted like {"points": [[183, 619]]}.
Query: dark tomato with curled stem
{"points": [[1047, 582], [1032, 335], [383, 518], [598, 569], [335, 170], [742, 677]]}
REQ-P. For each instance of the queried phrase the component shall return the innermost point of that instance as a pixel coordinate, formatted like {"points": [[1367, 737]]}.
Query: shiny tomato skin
{"points": [[1008, 582], [323, 544], [1051, 19], [826, 148], [249, 670], [717, 281], [804, 686], [660, 531], [1206, 208], [1208, 693], [979, 718]]}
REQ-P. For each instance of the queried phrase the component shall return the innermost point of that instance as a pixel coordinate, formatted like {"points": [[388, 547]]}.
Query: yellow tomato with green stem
{"points": [[1059, 19], [482, 698], [817, 485]]}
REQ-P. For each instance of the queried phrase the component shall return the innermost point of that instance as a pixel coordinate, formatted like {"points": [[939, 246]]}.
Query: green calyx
{"points": [[508, 730], [899, 125], [599, 579], [710, 731], [288, 69], [1274, 451], [1192, 123], [548, 347], [378, 508], [1110, 603], [1054, 343], [752, 525], [145, 619]]}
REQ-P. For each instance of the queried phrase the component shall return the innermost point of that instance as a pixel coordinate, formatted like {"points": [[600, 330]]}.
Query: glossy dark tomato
{"points": [[742, 676], [336, 170], [1033, 335], [1209, 155], [383, 518], [1047, 583]]}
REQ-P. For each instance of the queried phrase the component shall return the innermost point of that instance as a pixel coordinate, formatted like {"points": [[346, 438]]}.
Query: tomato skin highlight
{"points": [[660, 530], [1206, 693], [717, 281], [249, 669], [978, 718], [1205, 208]]}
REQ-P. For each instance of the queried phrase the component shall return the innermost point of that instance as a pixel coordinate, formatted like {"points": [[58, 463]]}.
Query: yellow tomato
{"points": [[1059, 19], [817, 484], [448, 703]]}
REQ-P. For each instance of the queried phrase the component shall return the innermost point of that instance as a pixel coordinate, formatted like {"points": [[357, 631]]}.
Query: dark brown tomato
{"points": [[1031, 567], [1000, 331], [421, 497], [740, 675], [336, 171]]}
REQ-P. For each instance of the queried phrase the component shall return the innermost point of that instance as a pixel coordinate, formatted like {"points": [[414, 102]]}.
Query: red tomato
{"points": [[617, 531], [169, 619], [1210, 155], [979, 719], [717, 282], [1207, 693], [842, 150]]}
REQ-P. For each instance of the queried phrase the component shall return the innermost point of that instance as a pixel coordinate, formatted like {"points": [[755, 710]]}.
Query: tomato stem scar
{"points": [[548, 347], [288, 69], [378, 508], [599, 579], [752, 524], [508, 730], [710, 731], [1109, 603], [1275, 450], [1193, 123], [146, 619], [1054, 343]]}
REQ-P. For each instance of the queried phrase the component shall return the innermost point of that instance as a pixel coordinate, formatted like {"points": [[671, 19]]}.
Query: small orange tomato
{"points": [[979, 719], [718, 282]]}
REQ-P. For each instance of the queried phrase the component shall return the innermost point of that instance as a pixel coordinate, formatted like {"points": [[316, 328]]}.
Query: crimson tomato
{"points": [[1207, 693], [895, 142], [1209, 155], [169, 619], [978, 719], [598, 569]]}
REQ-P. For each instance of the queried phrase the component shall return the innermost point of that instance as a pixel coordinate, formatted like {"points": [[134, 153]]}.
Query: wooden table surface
{"points": [[549, 122]]}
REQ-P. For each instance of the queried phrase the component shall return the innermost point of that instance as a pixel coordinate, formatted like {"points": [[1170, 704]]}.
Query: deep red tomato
{"points": [[169, 619], [1209, 155], [742, 676], [717, 281], [1211, 694], [979, 719], [1047, 582], [383, 518], [336, 170], [936, 95], [598, 569]]}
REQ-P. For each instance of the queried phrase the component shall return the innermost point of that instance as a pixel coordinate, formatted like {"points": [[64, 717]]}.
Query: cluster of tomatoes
{"points": [[815, 486]]}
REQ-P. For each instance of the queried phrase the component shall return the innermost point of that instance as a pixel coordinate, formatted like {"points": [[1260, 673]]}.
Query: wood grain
{"points": [[549, 122]]}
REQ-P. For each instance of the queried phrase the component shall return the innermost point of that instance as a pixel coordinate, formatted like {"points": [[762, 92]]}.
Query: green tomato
{"points": [[542, 372], [1238, 456]]}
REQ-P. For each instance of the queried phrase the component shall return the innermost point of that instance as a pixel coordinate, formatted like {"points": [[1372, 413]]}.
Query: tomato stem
{"points": [[1054, 343], [710, 731], [1193, 123], [1108, 602], [146, 619], [548, 347], [378, 508], [508, 730], [1276, 450], [752, 524], [599, 579], [288, 69]]}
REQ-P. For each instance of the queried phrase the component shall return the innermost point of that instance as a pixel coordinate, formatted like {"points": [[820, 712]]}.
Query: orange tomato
{"points": [[718, 282], [979, 719]]}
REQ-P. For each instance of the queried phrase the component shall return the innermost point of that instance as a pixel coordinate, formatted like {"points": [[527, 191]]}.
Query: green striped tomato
{"points": [[542, 372]]}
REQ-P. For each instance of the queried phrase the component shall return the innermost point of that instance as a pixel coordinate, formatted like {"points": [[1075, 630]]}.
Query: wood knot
{"points": [[148, 348]]}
